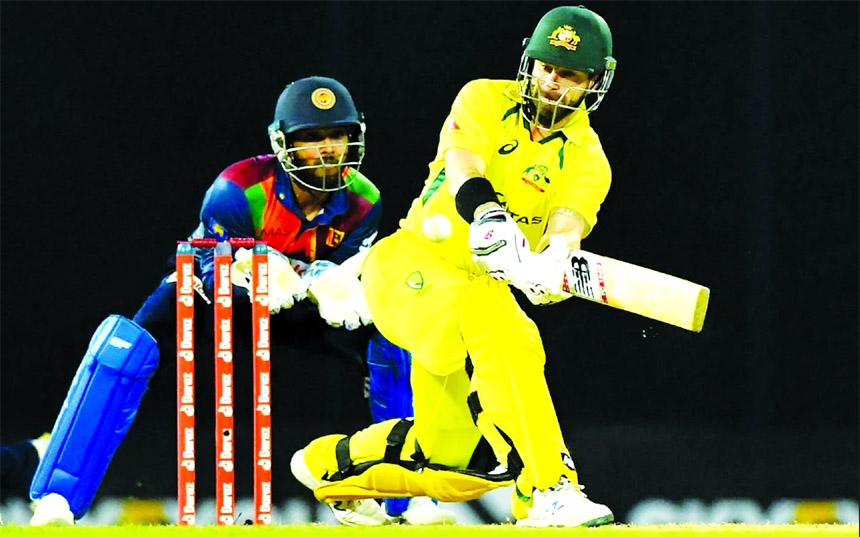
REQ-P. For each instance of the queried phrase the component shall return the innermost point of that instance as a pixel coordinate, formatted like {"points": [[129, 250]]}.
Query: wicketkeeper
{"points": [[318, 214]]}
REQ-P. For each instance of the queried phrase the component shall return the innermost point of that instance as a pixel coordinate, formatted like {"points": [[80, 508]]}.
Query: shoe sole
{"points": [[545, 522], [53, 522], [345, 516], [438, 520], [350, 517], [52, 510]]}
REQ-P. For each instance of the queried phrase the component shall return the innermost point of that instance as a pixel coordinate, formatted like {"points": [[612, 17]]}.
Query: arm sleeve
{"points": [[589, 183], [225, 213], [470, 120]]}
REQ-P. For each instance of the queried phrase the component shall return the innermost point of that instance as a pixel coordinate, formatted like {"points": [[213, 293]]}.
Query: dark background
{"points": [[731, 127]]}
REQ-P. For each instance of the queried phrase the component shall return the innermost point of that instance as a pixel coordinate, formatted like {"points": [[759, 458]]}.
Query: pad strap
{"points": [[394, 441], [470, 367], [393, 481], [344, 460], [393, 446], [474, 406]]}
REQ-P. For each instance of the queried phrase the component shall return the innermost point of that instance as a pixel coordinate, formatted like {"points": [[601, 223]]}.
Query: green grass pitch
{"points": [[502, 530]]}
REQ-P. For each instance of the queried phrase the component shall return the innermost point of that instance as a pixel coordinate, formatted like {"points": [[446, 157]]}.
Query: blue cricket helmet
{"points": [[310, 103], [315, 101]]}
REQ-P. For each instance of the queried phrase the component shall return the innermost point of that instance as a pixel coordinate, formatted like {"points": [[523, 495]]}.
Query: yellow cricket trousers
{"points": [[440, 313]]}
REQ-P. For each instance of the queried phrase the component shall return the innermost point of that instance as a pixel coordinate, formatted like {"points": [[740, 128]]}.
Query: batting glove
{"points": [[541, 276], [497, 243]]}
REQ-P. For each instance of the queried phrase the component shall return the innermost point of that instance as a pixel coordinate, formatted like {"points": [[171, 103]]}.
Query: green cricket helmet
{"points": [[312, 103], [573, 38]]}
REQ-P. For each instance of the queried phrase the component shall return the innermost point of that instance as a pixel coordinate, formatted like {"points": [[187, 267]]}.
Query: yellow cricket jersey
{"points": [[567, 169]]}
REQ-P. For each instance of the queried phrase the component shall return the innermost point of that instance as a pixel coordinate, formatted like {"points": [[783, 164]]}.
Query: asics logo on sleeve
{"points": [[509, 147]]}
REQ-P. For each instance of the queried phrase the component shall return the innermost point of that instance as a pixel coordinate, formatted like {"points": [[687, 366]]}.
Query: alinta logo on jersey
{"points": [[534, 175]]}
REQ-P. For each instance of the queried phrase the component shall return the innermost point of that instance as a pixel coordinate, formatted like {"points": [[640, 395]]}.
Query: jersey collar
{"points": [[337, 203], [575, 132]]}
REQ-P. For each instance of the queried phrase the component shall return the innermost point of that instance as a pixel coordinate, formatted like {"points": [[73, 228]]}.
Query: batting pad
{"points": [[386, 480], [100, 407]]}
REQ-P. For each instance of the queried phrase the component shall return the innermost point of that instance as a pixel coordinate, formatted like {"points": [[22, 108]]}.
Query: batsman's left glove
{"points": [[541, 276]]}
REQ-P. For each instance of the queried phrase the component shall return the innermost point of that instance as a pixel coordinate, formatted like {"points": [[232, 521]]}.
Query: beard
{"points": [[550, 115], [319, 178], [326, 174]]}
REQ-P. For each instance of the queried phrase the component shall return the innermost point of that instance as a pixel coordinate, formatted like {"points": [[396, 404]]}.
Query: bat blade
{"points": [[636, 289]]}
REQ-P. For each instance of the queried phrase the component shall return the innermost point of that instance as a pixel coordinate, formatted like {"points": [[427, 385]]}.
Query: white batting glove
{"points": [[286, 287], [541, 276], [338, 294], [497, 243]]}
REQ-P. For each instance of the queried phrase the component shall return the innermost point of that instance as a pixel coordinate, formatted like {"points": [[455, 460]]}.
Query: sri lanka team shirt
{"points": [[253, 198]]}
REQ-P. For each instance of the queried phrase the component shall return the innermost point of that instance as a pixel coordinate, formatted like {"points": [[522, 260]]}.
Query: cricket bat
{"points": [[636, 289]]}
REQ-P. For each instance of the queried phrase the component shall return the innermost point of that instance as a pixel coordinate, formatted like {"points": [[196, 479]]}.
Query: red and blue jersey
{"points": [[254, 198]]}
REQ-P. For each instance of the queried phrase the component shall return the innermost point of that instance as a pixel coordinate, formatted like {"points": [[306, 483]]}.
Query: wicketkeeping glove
{"points": [[497, 243], [338, 294], [286, 287]]}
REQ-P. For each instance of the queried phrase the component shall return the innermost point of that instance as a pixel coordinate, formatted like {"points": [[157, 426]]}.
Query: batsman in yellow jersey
{"points": [[517, 182]]}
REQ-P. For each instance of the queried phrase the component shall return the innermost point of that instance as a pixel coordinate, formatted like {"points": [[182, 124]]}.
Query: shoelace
{"points": [[564, 483]]}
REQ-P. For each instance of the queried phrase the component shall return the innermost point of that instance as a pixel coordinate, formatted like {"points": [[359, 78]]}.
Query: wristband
{"points": [[474, 192]]}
